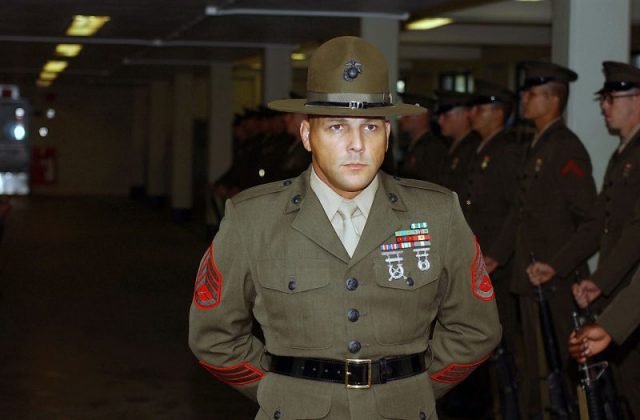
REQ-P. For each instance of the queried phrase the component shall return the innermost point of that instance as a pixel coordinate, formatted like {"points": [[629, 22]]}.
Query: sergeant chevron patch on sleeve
{"points": [[480, 280], [572, 167], [456, 373], [208, 288], [239, 374]]}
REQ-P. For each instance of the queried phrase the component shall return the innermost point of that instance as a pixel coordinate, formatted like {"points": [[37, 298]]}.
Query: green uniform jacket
{"points": [[557, 193], [424, 159], [491, 187], [615, 225], [277, 258], [622, 316], [453, 173]]}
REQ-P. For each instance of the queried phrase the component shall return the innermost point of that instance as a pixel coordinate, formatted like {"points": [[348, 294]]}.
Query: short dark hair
{"points": [[561, 90]]}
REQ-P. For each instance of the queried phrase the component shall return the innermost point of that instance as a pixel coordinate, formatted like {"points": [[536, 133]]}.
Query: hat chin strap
{"points": [[349, 100]]}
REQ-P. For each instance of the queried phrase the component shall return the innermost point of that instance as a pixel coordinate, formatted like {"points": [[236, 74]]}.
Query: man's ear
{"points": [[305, 129]]}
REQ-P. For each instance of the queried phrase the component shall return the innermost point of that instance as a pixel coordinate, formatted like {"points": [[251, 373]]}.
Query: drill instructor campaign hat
{"points": [[347, 76]]}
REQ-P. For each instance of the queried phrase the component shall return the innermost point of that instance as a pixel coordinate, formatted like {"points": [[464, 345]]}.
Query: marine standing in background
{"points": [[614, 228], [370, 290], [426, 151], [491, 191], [556, 195], [453, 118]]}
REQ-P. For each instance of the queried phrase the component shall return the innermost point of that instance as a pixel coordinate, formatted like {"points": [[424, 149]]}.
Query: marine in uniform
{"points": [[370, 290], [556, 194], [491, 191], [453, 118], [426, 151], [614, 228]]}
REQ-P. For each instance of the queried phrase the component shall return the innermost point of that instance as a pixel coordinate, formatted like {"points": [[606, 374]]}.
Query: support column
{"points": [[384, 34], [139, 142], [220, 120], [277, 73], [157, 174], [182, 148], [586, 33]]}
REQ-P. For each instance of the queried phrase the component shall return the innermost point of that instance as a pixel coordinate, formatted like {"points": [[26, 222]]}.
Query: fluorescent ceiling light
{"points": [[298, 56], [86, 25], [428, 23], [48, 76], [55, 66], [68, 50]]}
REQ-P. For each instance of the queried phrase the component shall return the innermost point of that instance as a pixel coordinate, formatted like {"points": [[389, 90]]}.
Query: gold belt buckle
{"points": [[349, 362]]}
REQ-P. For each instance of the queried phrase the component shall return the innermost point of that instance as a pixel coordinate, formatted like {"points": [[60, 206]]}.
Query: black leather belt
{"points": [[354, 373]]}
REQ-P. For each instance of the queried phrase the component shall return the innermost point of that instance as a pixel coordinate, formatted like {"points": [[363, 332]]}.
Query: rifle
{"points": [[597, 393], [507, 379], [590, 403], [558, 388]]}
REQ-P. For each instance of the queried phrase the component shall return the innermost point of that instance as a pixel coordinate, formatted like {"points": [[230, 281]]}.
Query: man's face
{"points": [[346, 151], [620, 108], [454, 121], [536, 102], [482, 116]]}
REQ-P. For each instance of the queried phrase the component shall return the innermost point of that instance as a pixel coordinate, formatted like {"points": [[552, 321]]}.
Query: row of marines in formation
{"points": [[522, 199]]}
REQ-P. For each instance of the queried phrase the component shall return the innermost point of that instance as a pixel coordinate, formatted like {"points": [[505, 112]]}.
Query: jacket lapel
{"points": [[312, 221]]}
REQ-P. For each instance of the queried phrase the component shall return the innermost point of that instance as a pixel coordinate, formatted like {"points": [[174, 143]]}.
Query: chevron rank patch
{"points": [[208, 288], [480, 281]]}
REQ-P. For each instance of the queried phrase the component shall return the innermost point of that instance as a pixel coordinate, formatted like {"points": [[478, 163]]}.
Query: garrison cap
{"points": [[347, 76], [538, 73], [449, 99], [619, 77], [420, 100], [486, 92]]}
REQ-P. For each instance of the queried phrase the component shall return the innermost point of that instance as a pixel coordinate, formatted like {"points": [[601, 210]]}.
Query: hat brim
{"points": [[299, 105]]}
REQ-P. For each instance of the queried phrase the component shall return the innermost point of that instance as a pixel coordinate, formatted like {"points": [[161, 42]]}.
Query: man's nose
{"points": [[356, 143]]}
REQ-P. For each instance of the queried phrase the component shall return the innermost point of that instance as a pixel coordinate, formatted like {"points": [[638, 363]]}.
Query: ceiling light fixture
{"points": [[48, 76], [68, 50], [298, 56], [428, 23], [86, 25], [55, 66]]}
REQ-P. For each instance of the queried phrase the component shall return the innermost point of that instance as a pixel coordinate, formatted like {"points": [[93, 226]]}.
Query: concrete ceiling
{"points": [[149, 38]]}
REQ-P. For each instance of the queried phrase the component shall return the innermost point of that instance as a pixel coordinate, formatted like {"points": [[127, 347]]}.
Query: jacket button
{"points": [[423, 416], [297, 199], [292, 284], [352, 283], [354, 346], [276, 414], [392, 197], [286, 183], [353, 315], [409, 281]]}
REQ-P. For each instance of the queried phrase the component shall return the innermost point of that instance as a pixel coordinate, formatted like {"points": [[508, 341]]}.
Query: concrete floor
{"points": [[93, 315]]}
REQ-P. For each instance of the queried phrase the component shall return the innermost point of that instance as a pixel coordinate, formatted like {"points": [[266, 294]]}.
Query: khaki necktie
{"points": [[348, 235]]}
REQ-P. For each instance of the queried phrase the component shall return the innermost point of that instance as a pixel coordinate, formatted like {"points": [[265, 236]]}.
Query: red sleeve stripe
{"points": [[456, 373], [240, 374]]}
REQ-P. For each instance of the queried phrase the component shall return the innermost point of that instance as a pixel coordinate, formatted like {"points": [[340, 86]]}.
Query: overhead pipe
{"points": [[217, 11]]}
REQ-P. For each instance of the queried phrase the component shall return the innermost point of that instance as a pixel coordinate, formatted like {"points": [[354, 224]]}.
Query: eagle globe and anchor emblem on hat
{"points": [[347, 76]]}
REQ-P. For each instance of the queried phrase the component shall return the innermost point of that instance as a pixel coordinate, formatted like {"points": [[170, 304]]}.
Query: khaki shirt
{"points": [[276, 258]]}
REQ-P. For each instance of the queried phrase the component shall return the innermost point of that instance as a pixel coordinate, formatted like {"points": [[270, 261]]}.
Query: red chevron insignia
{"points": [[456, 373], [572, 167], [480, 280], [208, 288], [240, 374]]}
